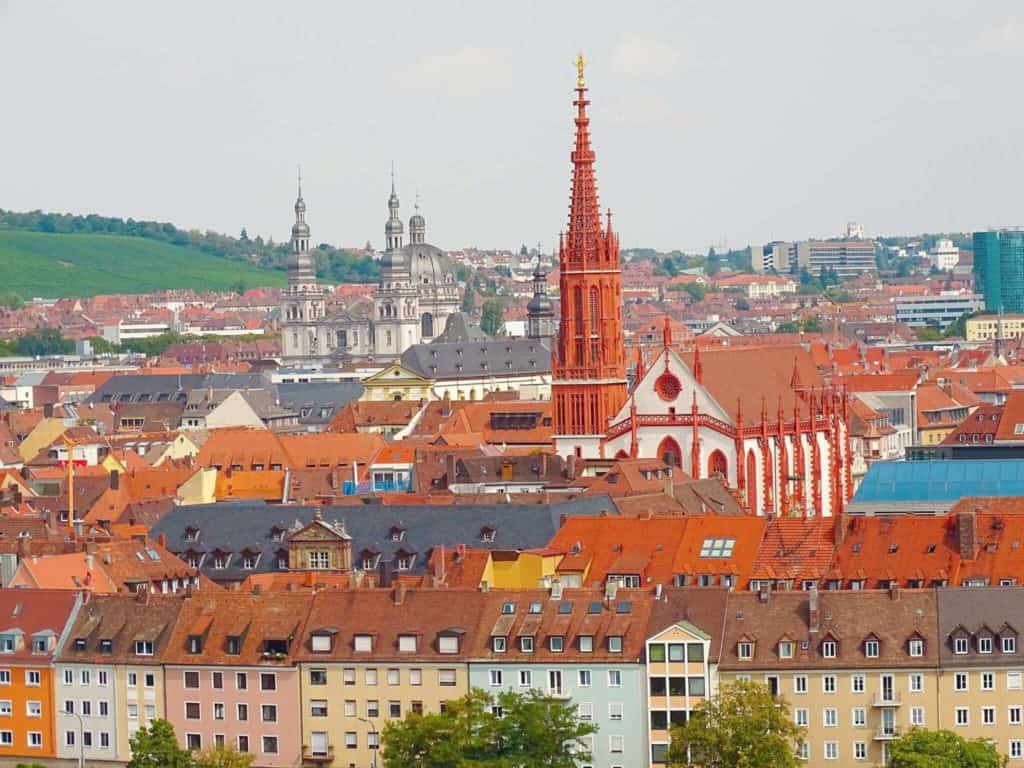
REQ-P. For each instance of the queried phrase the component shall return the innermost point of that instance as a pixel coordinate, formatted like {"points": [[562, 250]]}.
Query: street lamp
{"points": [[374, 731], [81, 732]]}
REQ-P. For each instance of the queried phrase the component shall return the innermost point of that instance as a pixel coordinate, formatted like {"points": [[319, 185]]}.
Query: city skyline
{"points": [[707, 123]]}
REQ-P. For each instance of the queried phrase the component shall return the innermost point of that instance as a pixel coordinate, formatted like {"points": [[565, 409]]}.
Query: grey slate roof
{"points": [[999, 609], [494, 358], [234, 526], [171, 387], [317, 403]]}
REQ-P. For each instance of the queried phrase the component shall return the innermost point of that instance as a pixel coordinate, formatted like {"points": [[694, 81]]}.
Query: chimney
{"points": [[439, 564], [115, 480], [309, 580], [570, 467], [48, 410], [764, 591], [460, 552], [384, 571], [840, 528], [162, 540], [450, 465], [398, 593], [813, 614], [894, 591], [967, 534]]}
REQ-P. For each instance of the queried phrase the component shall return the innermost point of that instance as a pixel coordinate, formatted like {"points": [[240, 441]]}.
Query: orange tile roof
{"points": [[796, 549]]}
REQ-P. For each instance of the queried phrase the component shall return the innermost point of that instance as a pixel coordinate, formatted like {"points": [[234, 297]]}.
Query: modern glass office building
{"points": [[999, 269]]}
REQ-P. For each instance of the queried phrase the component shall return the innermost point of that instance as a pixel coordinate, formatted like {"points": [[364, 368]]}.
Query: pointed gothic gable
{"points": [[672, 386]]}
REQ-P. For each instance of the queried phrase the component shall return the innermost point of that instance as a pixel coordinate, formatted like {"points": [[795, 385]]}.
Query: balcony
{"points": [[887, 700], [318, 756], [888, 733]]}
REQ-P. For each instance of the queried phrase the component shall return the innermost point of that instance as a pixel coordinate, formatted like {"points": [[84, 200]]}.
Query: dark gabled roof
{"points": [[165, 387], [973, 609], [231, 526], [313, 397], [121, 619], [495, 357]]}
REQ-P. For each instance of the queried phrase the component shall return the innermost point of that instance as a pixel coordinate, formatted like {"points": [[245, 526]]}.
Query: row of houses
{"points": [[313, 678]]}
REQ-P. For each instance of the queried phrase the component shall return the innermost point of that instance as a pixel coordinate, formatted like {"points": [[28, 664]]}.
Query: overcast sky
{"points": [[714, 122]]}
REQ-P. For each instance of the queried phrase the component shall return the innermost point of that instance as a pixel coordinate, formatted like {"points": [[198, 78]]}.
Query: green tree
{"points": [[811, 324], [532, 730], [942, 749], [157, 747], [958, 328], [787, 327], [744, 726], [492, 317], [45, 341], [101, 346], [713, 263], [468, 300], [928, 333], [697, 291], [742, 304], [6, 348], [239, 287], [11, 300], [222, 757]]}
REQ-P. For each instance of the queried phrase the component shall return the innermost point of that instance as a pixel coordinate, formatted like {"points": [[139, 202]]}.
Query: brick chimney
{"points": [[398, 594], [841, 521], [967, 534], [813, 613]]}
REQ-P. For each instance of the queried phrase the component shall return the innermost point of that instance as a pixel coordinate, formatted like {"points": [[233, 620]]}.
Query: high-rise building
{"points": [[999, 269], [589, 364]]}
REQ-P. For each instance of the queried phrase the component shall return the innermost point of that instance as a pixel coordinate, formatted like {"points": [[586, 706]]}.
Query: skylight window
{"points": [[717, 547]]}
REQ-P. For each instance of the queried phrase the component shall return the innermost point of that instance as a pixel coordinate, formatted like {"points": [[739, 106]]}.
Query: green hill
{"points": [[53, 265]]}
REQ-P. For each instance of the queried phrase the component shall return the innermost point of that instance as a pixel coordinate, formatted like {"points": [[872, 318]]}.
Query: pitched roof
{"points": [[32, 612], [794, 548], [122, 620]]}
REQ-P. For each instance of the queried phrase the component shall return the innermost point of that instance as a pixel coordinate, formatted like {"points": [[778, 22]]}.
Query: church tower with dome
{"points": [[303, 308], [417, 290]]}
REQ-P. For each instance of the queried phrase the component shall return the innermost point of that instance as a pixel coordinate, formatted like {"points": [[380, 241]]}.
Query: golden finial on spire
{"points": [[579, 71]]}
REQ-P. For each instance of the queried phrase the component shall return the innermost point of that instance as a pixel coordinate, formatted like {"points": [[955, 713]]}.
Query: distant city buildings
{"points": [[849, 257], [999, 269], [944, 255], [936, 311]]}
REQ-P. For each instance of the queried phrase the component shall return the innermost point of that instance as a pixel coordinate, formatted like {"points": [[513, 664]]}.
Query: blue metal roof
{"points": [[947, 480]]}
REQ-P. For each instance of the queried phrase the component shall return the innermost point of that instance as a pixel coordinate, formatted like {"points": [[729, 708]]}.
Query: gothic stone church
{"points": [[416, 294]]}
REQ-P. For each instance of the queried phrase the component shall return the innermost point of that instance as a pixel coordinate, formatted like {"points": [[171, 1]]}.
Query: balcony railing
{"points": [[887, 700], [887, 733], [318, 756]]}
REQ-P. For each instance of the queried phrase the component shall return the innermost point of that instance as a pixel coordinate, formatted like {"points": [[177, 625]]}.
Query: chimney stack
{"points": [[398, 594], [813, 613], [162, 540], [115, 480], [764, 592], [840, 528], [967, 534], [570, 467]]}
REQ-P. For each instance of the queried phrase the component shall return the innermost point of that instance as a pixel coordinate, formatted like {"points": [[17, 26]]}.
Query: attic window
{"points": [[234, 645], [624, 606], [397, 533], [80, 643], [720, 548], [143, 647], [39, 645], [508, 608], [275, 646], [321, 643], [406, 643], [594, 607], [535, 607], [487, 534], [565, 607], [195, 644], [893, 548], [191, 534], [871, 648], [931, 549], [106, 646]]}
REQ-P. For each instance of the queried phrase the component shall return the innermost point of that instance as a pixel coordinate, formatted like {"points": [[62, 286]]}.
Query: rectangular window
{"points": [[828, 683], [370, 676], [525, 678], [800, 717], [318, 677], [495, 677], [415, 677], [5, 708], [857, 683], [584, 678], [831, 750], [963, 716], [318, 708], [394, 710], [218, 711], [916, 647], [1016, 749], [218, 681], [372, 708], [917, 717], [830, 716], [1009, 644], [242, 712], [446, 677], [1014, 715], [916, 682], [35, 739], [241, 681], [585, 711], [614, 678], [268, 713], [860, 750], [394, 677], [270, 745], [960, 681], [192, 680], [192, 710], [526, 644], [350, 708], [348, 676], [32, 677], [35, 708], [960, 646], [988, 681], [988, 715], [268, 681], [800, 683], [616, 744], [860, 717]]}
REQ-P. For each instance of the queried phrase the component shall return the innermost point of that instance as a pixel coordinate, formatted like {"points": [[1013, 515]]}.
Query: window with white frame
{"points": [[1014, 714], [857, 683], [830, 717], [988, 681], [916, 682], [960, 681], [831, 750], [988, 715], [871, 649], [1016, 750], [984, 645], [615, 710], [860, 750], [525, 678], [585, 711], [917, 717], [801, 717], [962, 716], [828, 683], [916, 647], [584, 678], [1009, 644], [616, 744], [800, 683], [960, 646], [495, 677], [860, 717]]}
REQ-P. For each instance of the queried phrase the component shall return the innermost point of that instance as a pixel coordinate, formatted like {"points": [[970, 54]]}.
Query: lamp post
{"points": [[374, 731], [81, 731]]}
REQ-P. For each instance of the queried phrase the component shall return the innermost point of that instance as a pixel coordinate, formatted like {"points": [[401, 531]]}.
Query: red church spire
{"points": [[589, 363]]}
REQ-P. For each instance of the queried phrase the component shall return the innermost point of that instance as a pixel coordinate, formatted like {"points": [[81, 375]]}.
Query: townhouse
{"points": [[857, 668], [110, 673], [231, 677], [981, 694], [585, 646], [367, 657], [32, 627]]}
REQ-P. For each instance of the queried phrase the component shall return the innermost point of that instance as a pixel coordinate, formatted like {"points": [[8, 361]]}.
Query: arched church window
{"points": [[668, 451], [751, 481], [593, 309], [578, 305], [717, 463], [427, 324]]}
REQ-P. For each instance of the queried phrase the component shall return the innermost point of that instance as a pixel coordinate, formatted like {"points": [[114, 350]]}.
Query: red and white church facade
{"points": [[761, 417]]}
